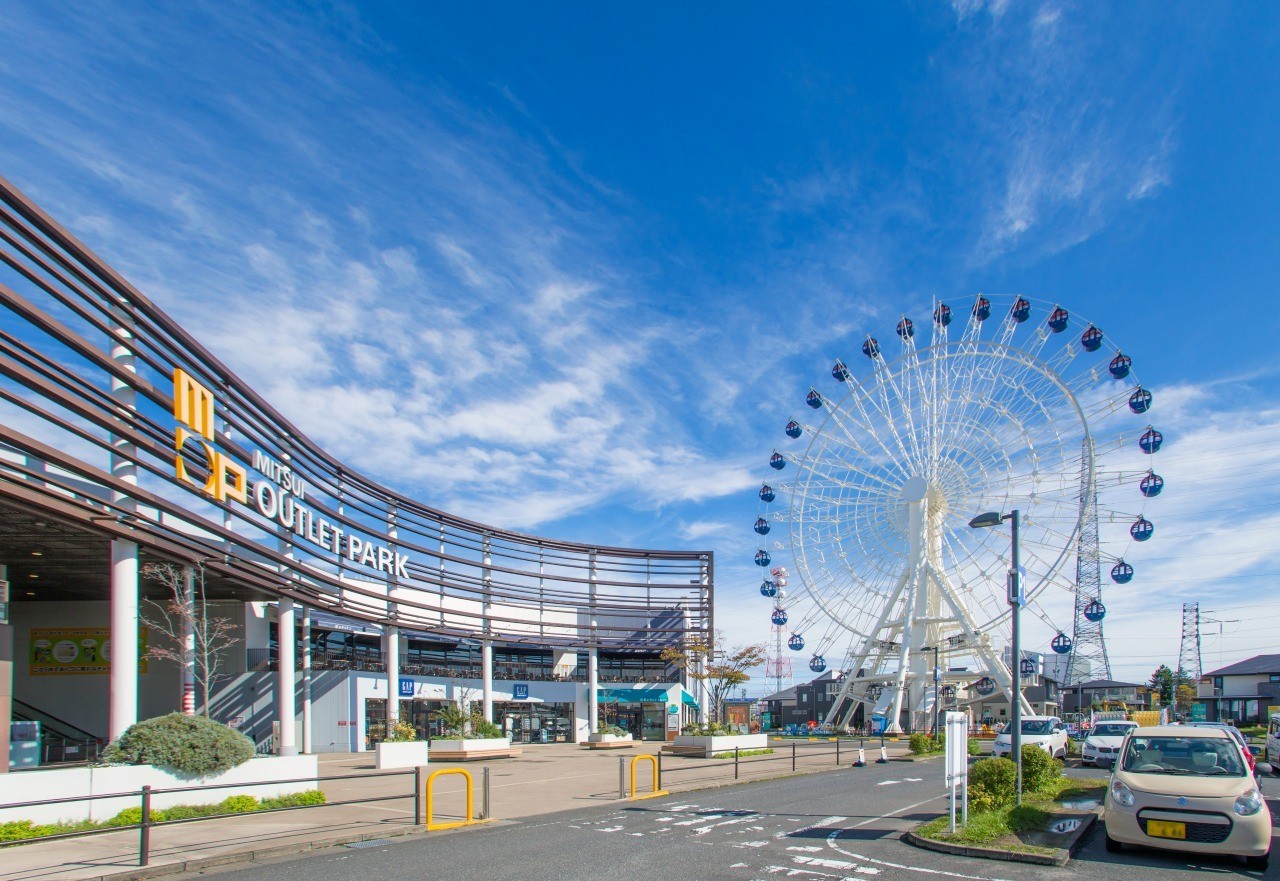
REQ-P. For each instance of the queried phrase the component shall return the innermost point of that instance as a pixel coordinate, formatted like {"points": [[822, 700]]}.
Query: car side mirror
{"points": [[1264, 768]]}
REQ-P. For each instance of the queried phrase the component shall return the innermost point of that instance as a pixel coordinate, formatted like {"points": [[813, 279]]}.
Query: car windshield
{"points": [[1036, 726], [1110, 729], [1183, 756]]}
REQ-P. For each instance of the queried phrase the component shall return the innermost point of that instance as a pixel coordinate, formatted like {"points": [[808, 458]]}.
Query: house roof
{"points": [[1258, 664], [1105, 683], [787, 694]]}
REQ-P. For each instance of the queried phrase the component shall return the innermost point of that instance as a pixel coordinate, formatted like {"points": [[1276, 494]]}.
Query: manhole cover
{"points": [[373, 842], [1062, 827]]}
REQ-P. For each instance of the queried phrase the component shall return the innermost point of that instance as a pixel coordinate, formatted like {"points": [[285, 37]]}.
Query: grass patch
{"points": [[24, 830], [743, 753]]}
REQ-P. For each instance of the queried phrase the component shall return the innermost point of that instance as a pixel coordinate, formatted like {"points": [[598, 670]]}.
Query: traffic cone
{"points": [[862, 759]]}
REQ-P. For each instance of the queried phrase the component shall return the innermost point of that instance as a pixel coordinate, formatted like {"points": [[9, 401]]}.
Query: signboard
{"points": [[957, 764], [673, 723], [406, 687], [520, 691], [61, 651], [4, 602], [1199, 712], [673, 710]]}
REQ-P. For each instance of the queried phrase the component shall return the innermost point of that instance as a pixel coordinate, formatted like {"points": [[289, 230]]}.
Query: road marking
{"points": [[912, 779], [805, 849], [888, 782], [752, 844], [702, 830], [824, 822]]}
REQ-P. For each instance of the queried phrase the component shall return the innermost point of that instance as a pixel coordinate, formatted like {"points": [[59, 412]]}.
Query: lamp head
{"points": [[991, 518]]}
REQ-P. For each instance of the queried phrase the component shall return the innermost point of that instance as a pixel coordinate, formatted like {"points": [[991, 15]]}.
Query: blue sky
{"points": [[570, 268]]}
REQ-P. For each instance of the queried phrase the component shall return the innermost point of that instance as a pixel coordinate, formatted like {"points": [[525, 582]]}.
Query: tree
{"points": [[196, 641], [1184, 696], [1162, 684], [720, 670]]}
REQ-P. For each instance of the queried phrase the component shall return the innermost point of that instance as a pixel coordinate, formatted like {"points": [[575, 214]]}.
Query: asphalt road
{"points": [[840, 825]]}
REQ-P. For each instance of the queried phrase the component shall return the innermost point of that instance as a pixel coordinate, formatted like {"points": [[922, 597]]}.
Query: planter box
{"points": [[67, 782], [699, 744], [407, 754], [609, 741], [475, 748]]}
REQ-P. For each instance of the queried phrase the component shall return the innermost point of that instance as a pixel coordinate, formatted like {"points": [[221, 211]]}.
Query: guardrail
{"points": [[146, 794], [849, 752]]}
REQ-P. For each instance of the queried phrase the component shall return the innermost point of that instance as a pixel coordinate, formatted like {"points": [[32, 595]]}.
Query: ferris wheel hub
{"points": [[915, 489]]}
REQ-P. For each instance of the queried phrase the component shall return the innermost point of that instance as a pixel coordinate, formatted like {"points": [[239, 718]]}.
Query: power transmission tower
{"points": [[1189, 651], [1088, 642], [778, 667]]}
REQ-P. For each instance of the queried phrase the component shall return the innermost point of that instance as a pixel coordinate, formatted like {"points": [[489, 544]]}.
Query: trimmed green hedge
{"points": [[192, 745]]}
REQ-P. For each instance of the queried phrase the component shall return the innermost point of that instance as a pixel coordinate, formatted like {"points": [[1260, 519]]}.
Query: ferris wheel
{"points": [[1017, 406]]}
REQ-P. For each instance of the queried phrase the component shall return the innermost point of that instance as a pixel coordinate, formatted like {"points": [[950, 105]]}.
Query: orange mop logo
{"points": [[193, 406]]}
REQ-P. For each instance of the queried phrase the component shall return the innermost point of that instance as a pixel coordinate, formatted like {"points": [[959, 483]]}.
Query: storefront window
{"points": [[536, 722]]}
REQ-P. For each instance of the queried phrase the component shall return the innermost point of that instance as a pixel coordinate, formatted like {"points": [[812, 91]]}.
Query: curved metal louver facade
{"points": [[106, 386]]}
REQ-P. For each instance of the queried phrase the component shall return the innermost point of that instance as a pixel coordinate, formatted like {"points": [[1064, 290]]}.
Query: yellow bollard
{"points": [[656, 791], [470, 817]]}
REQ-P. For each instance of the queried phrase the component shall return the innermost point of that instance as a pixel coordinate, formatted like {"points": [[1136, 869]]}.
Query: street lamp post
{"points": [[937, 681], [982, 521]]}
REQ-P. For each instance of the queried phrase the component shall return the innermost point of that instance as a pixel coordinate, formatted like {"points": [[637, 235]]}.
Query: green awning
{"points": [[632, 695], [688, 699]]}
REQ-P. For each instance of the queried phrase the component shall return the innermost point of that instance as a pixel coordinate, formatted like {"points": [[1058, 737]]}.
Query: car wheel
{"points": [[1114, 846], [1258, 864]]}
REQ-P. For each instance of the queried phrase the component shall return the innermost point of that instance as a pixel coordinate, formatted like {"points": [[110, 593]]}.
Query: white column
{"points": [[391, 657], [286, 678], [124, 636], [6, 681], [593, 690], [189, 644], [486, 679], [306, 679]]}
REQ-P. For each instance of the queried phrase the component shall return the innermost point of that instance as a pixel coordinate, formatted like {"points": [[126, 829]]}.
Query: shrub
{"points": [[238, 804], [615, 730], [922, 744], [195, 746], [975, 746], [485, 728], [133, 816], [20, 830], [992, 780], [402, 732], [297, 799], [1039, 769], [707, 728]]}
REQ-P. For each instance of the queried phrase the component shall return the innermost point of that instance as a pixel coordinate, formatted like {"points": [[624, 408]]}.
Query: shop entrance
{"points": [[527, 722], [417, 712], [645, 721]]}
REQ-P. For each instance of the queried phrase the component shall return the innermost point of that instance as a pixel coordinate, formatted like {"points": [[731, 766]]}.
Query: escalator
{"points": [[62, 742]]}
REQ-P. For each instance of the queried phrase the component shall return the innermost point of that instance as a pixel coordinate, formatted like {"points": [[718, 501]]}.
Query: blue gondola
{"points": [[1059, 319], [1142, 529], [766, 493], [779, 617], [985, 685], [1140, 400], [762, 557], [982, 309], [1120, 365], [1151, 485], [796, 642], [817, 663], [813, 399], [1095, 611], [942, 315], [1091, 339], [793, 429], [1021, 310], [840, 372], [768, 588], [777, 462], [906, 329], [949, 692], [1122, 573], [871, 348], [1150, 441], [1027, 667], [1062, 644], [762, 526]]}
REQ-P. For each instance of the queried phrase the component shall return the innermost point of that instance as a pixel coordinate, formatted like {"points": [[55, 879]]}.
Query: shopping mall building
{"points": [[126, 446]]}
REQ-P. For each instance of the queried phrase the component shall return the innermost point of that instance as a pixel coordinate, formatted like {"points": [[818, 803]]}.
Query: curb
{"points": [[1060, 856]]}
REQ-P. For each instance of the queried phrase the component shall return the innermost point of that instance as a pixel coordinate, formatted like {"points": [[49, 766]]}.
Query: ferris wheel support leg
{"points": [[850, 678]]}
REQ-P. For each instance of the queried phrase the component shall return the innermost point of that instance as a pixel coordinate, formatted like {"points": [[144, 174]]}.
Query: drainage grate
{"points": [[373, 842]]}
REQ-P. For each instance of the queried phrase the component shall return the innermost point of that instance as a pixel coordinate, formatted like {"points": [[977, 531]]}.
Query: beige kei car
{"points": [[1187, 789]]}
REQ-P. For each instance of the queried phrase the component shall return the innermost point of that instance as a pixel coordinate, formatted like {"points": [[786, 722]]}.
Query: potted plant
{"points": [[469, 737], [401, 748], [711, 738], [609, 737]]}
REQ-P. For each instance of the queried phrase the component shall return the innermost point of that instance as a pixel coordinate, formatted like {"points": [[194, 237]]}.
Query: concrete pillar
{"points": [[189, 643], [6, 678], [306, 679], [124, 637], [286, 678], [486, 679], [391, 657], [593, 689]]}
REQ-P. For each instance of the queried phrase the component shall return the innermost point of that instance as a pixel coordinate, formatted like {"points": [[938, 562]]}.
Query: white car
{"points": [[1103, 742], [1046, 732]]}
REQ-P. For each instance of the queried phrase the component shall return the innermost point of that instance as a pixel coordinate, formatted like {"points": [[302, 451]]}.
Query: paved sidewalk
{"points": [[545, 779]]}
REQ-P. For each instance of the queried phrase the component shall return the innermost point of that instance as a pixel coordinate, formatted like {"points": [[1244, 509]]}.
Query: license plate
{"points": [[1166, 829]]}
